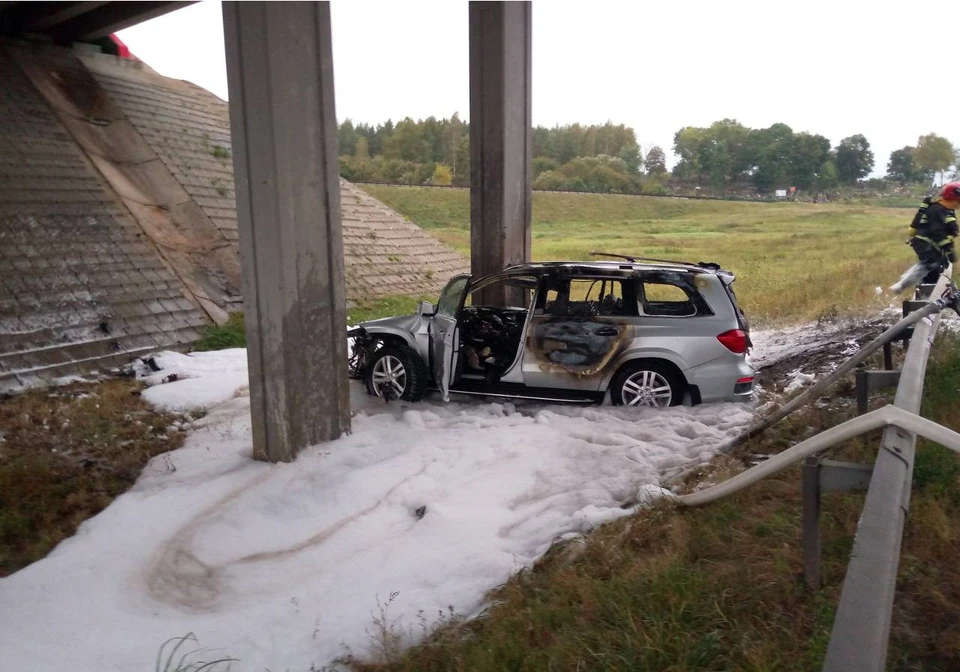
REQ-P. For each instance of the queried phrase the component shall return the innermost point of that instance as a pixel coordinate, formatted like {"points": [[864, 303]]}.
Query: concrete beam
{"points": [[110, 17], [501, 136], [27, 17], [283, 123]]}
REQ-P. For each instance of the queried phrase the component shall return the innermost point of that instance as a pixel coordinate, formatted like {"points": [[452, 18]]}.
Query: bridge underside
{"points": [[283, 126]]}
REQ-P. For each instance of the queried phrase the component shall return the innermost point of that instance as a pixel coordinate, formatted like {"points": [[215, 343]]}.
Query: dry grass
{"points": [[720, 587], [65, 454], [794, 261]]}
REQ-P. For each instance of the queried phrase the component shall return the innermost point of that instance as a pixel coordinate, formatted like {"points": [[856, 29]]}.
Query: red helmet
{"points": [[951, 192]]}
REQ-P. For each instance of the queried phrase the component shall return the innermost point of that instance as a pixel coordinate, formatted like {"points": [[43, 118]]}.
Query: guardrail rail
{"points": [[861, 629]]}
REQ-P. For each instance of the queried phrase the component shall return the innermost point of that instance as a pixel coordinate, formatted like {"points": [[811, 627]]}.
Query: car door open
{"points": [[444, 337]]}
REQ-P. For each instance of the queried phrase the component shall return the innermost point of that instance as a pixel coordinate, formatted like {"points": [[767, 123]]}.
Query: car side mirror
{"points": [[425, 309]]}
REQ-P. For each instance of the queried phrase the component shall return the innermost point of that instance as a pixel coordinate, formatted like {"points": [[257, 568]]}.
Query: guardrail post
{"points": [[863, 397], [888, 356], [909, 307], [811, 523], [819, 477], [868, 381]]}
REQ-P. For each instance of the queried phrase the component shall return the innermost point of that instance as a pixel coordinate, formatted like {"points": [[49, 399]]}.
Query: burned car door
{"points": [[578, 329], [444, 336]]}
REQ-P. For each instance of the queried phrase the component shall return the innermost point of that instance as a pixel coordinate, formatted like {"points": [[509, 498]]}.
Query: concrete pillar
{"points": [[501, 136], [283, 124]]}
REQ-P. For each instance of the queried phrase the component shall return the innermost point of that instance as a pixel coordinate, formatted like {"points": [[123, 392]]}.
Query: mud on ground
{"points": [[816, 350]]}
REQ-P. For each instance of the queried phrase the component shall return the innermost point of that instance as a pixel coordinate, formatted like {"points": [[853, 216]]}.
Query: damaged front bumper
{"points": [[358, 346]]}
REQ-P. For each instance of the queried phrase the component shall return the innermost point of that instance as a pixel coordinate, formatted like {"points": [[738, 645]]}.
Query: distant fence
{"points": [[771, 199], [683, 197]]}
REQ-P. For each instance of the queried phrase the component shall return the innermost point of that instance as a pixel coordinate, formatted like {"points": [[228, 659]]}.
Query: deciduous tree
{"points": [[854, 159], [656, 161], [934, 154]]}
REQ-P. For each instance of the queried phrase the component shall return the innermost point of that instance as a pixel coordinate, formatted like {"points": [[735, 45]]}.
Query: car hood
{"points": [[398, 323]]}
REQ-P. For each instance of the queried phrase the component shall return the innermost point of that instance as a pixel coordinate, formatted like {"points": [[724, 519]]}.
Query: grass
{"points": [[385, 307], [180, 654], [794, 261], [65, 453], [720, 587], [233, 334], [222, 336]]}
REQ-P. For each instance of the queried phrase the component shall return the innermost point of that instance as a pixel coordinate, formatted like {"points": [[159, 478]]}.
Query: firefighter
{"points": [[932, 232]]}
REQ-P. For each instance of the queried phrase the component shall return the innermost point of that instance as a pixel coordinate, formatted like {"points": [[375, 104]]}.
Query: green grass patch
{"points": [[794, 261], [232, 334], [720, 587], [388, 306]]}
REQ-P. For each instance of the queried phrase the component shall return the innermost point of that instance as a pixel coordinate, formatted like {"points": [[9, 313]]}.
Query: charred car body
{"points": [[651, 333]]}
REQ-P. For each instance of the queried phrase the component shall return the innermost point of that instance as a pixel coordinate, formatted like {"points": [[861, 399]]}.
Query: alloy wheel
{"points": [[389, 375], [646, 388]]}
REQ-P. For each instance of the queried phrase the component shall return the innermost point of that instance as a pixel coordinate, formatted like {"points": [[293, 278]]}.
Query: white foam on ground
{"points": [[281, 566]]}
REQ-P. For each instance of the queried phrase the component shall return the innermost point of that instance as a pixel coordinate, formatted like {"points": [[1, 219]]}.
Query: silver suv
{"points": [[651, 332]]}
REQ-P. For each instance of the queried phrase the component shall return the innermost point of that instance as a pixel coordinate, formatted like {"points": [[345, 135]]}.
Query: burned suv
{"points": [[651, 332]]}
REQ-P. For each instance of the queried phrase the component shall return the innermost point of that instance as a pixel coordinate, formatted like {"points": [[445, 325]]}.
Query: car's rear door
{"points": [[444, 333]]}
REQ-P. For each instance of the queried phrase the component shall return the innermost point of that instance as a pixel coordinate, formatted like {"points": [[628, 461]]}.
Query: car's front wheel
{"points": [[646, 383], [396, 372]]}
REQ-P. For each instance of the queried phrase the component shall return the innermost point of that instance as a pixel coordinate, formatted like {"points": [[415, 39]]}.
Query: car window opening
{"points": [[491, 334]]}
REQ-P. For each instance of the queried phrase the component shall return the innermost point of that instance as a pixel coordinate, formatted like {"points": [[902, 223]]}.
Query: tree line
{"points": [[728, 154], [606, 158], [437, 151]]}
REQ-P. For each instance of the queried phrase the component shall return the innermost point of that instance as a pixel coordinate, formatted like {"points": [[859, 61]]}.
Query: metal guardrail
{"points": [[861, 629]]}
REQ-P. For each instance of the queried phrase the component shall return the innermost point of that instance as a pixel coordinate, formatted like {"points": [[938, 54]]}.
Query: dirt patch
{"points": [[65, 454], [813, 350]]}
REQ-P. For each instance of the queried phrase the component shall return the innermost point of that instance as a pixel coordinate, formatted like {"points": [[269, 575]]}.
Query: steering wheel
{"points": [[488, 315]]}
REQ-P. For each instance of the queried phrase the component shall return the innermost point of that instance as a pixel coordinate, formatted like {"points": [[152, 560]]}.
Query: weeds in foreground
{"points": [[389, 637], [386, 635], [171, 659]]}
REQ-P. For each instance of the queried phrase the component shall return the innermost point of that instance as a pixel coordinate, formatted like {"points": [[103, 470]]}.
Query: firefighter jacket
{"points": [[937, 225]]}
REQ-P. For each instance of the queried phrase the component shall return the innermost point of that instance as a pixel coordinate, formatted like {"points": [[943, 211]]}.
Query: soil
{"points": [[815, 349]]}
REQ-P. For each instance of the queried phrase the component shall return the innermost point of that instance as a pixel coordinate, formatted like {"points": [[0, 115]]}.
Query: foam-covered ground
{"points": [[282, 566]]}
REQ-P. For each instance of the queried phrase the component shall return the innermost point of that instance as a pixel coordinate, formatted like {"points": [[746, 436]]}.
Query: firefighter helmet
{"points": [[951, 192]]}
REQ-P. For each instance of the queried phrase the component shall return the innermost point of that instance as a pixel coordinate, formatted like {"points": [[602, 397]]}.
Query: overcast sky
{"points": [[831, 67]]}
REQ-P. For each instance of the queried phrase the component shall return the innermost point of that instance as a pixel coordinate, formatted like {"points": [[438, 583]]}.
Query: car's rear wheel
{"points": [[396, 372], [646, 383]]}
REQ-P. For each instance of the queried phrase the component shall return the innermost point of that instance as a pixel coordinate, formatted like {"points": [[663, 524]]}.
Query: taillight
{"points": [[734, 340]]}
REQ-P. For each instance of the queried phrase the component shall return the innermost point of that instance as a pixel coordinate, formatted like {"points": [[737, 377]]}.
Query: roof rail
{"points": [[634, 259]]}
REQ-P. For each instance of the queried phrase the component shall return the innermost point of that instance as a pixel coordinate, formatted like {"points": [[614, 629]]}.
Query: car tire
{"points": [[399, 366], [647, 383]]}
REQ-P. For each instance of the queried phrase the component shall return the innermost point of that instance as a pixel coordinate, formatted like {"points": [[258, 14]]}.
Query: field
{"points": [[795, 262]]}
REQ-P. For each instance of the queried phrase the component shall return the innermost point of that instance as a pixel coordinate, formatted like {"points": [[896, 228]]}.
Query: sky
{"points": [[833, 68]]}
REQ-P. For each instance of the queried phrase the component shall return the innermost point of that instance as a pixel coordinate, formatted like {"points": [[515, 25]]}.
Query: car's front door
{"points": [[444, 337], [579, 327]]}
